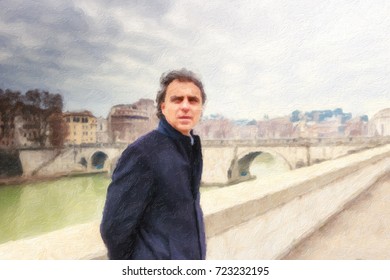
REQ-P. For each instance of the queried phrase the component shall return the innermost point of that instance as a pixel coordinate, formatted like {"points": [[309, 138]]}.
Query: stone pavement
{"points": [[361, 231]]}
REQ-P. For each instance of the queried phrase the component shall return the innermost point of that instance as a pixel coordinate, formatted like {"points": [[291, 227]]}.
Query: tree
{"points": [[338, 111], [296, 116], [364, 118], [46, 108], [58, 130], [41, 112], [9, 104]]}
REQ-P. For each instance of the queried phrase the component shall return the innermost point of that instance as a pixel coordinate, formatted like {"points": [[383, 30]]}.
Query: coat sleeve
{"points": [[128, 195]]}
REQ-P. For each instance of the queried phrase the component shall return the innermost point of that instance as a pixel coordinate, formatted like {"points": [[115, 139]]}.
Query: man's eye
{"points": [[175, 100], [194, 100]]}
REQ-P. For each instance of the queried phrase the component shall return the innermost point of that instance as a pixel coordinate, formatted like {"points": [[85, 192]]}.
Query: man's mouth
{"points": [[185, 118]]}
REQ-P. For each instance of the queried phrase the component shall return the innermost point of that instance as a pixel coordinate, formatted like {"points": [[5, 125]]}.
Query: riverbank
{"points": [[17, 180]]}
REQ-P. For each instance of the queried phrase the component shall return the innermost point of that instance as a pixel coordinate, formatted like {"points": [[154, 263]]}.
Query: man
{"points": [[152, 209]]}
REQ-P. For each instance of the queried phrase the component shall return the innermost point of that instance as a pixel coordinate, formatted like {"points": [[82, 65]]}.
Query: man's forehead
{"points": [[177, 87]]}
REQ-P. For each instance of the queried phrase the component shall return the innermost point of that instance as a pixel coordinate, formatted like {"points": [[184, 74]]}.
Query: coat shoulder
{"points": [[153, 141], [149, 144]]}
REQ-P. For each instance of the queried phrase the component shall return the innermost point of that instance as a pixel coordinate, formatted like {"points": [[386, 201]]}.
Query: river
{"points": [[32, 209]]}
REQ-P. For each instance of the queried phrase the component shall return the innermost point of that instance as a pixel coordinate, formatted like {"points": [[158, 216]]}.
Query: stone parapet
{"points": [[265, 220]]}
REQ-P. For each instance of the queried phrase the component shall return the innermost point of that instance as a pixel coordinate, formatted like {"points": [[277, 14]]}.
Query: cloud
{"points": [[255, 57]]}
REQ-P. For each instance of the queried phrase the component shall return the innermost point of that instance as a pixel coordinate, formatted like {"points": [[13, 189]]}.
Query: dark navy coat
{"points": [[152, 209]]}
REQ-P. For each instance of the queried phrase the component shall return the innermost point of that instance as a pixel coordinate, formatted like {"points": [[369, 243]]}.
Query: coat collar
{"points": [[165, 128]]}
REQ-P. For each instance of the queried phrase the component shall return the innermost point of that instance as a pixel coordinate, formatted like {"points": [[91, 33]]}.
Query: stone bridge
{"points": [[225, 161], [229, 161], [69, 160]]}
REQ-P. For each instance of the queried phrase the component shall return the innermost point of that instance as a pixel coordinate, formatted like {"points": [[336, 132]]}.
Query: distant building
{"points": [[127, 122], [82, 127], [245, 129], [215, 127], [379, 125], [275, 128], [147, 105], [323, 124], [21, 130], [332, 128], [26, 131], [319, 127], [7, 133], [356, 127], [102, 130]]}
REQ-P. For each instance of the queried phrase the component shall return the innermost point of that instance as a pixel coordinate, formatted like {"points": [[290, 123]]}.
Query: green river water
{"points": [[32, 209]]}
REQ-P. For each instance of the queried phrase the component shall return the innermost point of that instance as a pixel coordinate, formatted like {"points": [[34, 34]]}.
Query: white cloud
{"points": [[255, 57]]}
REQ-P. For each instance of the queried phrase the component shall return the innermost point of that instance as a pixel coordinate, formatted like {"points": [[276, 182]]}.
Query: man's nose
{"points": [[185, 105]]}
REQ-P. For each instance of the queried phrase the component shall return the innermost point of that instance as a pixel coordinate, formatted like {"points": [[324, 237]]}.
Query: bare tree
{"points": [[45, 107], [9, 103], [41, 110], [59, 130]]}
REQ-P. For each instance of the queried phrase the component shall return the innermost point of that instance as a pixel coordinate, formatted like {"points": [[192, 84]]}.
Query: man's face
{"points": [[182, 106]]}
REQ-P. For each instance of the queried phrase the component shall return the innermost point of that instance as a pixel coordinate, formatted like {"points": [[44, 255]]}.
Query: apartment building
{"points": [[82, 127]]}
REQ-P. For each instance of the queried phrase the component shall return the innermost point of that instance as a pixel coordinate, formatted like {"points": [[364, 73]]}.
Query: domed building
{"points": [[380, 123], [127, 122]]}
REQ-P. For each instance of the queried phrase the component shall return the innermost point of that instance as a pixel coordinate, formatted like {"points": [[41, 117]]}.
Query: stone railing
{"points": [[266, 220], [369, 141]]}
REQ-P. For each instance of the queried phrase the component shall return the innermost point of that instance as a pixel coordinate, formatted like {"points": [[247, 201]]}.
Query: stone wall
{"points": [[50, 162], [265, 222]]}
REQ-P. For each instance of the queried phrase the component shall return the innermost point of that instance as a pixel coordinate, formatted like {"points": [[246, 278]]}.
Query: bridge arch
{"points": [[240, 168], [98, 160]]}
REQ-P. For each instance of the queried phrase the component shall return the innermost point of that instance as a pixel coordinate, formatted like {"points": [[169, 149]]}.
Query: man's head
{"points": [[180, 99]]}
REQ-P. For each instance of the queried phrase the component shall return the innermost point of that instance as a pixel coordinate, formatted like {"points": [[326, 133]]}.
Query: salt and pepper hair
{"points": [[182, 75]]}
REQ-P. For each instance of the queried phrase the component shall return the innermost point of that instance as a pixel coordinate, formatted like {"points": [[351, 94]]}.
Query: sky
{"points": [[255, 58]]}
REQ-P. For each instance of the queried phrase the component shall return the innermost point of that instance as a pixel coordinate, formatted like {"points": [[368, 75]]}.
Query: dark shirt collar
{"points": [[165, 128]]}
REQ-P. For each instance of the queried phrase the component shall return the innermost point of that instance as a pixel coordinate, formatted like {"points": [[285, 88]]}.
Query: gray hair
{"points": [[182, 75]]}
